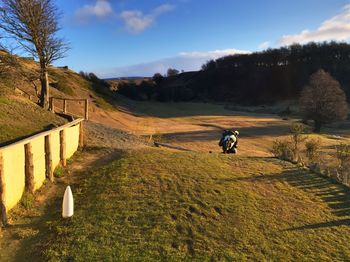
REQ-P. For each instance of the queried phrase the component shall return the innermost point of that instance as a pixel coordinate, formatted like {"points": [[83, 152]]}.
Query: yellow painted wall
{"points": [[55, 148], [72, 140], [14, 162], [38, 151]]}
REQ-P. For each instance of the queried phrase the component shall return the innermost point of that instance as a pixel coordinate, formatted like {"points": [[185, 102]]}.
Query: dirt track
{"points": [[198, 126]]}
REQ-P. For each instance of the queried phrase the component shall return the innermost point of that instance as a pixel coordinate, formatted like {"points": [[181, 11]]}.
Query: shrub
{"points": [[282, 149], [343, 155], [312, 147], [58, 172], [27, 200], [158, 137], [297, 131]]}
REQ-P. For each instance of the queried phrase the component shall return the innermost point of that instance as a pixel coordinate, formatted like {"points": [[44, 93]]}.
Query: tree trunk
{"points": [[318, 125], [44, 80]]}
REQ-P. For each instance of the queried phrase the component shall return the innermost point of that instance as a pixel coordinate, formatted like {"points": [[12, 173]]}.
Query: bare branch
{"points": [[33, 24]]}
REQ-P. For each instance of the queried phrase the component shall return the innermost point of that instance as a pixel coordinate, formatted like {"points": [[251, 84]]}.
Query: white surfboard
{"points": [[68, 203]]}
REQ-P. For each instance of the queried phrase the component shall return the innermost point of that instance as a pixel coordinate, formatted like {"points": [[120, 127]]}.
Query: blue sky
{"points": [[138, 37]]}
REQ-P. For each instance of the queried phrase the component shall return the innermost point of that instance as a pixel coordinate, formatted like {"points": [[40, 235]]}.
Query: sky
{"points": [[115, 38]]}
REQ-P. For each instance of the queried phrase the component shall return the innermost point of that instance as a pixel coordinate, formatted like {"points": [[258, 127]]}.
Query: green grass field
{"points": [[20, 117], [155, 204]]}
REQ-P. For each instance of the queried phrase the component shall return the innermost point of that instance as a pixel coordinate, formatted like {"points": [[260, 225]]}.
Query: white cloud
{"points": [[336, 28], [212, 54], [264, 45], [100, 9], [162, 9], [187, 61], [136, 21]]}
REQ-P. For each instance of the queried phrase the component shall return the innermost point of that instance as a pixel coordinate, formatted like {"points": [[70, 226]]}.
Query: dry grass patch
{"points": [[156, 204]]}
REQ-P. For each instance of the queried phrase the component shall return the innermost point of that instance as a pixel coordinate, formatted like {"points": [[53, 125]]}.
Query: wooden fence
{"points": [[64, 105], [24, 165]]}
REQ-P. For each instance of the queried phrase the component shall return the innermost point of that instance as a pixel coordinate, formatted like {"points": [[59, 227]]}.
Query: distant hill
{"points": [[127, 78], [257, 78]]}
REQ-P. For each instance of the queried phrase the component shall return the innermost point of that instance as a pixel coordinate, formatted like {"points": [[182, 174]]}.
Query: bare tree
{"points": [[34, 25], [322, 100]]}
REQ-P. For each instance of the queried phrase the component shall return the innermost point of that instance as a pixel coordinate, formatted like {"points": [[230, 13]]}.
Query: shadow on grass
{"points": [[171, 109], [31, 246], [209, 135], [334, 194], [335, 223]]}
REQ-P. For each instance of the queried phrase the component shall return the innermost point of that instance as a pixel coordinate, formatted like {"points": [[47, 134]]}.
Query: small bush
{"points": [[27, 200], [343, 155], [312, 147], [58, 172], [282, 149], [158, 137], [297, 128], [297, 131]]}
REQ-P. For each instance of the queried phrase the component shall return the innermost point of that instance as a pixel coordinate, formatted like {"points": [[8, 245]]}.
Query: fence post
{"points": [[2, 192], [48, 158], [81, 134], [63, 147], [64, 105], [52, 106], [86, 109], [29, 168]]}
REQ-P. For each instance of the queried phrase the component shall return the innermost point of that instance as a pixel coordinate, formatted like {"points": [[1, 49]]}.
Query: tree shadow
{"points": [[334, 194], [215, 133], [31, 247], [186, 109], [335, 223]]}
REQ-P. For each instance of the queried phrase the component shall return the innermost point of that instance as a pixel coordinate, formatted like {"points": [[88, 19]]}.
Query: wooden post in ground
{"points": [[81, 134], [86, 109], [48, 158], [29, 168], [2, 193], [52, 106], [64, 106], [63, 147]]}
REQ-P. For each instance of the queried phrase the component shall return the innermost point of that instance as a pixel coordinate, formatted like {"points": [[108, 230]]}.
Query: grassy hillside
{"points": [[19, 81], [154, 204], [20, 117]]}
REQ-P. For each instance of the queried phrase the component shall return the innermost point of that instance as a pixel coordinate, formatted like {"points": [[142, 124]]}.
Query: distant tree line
{"points": [[260, 77], [145, 90], [98, 85], [274, 73]]}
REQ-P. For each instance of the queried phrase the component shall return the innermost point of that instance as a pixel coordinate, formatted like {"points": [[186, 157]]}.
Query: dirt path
{"points": [[28, 225]]}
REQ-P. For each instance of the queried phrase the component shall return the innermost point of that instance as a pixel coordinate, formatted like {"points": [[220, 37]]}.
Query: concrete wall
{"points": [[13, 167]]}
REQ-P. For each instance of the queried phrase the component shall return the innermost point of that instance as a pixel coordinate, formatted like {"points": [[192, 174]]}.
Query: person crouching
{"points": [[229, 141]]}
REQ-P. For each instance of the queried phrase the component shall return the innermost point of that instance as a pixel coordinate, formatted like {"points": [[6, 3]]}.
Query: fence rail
{"points": [[25, 164], [64, 105]]}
